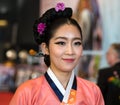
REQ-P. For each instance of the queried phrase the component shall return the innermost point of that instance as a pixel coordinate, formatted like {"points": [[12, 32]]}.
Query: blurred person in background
{"points": [[109, 78], [87, 15], [84, 16]]}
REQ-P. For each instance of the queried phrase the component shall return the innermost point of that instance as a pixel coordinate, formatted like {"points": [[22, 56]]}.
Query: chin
{"points": [[68, 69]]}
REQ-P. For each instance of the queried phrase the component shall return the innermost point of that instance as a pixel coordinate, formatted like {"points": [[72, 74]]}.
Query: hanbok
{"points": [[47, 90]]}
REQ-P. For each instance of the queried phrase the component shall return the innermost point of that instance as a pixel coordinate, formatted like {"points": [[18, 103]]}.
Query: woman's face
{"points": [[65, 48]]}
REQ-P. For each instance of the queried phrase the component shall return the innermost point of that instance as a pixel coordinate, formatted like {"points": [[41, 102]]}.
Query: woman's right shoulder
{"points": [[28, 89], [31, 84]]}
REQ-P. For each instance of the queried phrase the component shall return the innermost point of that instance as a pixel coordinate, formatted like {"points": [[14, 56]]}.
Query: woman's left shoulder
{"points": [[86, 83]]}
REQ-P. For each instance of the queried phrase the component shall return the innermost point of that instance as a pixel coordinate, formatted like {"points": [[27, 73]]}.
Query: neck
{"points": [[63, 77]]}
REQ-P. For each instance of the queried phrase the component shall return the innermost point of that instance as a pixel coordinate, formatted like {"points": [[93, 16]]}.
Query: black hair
{"points": [[116, 47], [53, 20]]}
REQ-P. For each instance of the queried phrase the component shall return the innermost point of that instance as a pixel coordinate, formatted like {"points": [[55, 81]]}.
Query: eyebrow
{"points": [[76, 38]]}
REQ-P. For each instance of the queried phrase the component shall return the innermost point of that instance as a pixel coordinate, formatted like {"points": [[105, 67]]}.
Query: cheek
{"points": [[54, 51], [79, 52], [110, 58]]}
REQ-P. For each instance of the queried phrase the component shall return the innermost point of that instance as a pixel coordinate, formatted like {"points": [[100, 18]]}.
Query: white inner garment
{"points": [[66, 92]]}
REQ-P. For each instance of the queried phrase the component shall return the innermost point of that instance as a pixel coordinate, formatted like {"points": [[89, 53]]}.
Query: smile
{"points": [[69, 60]]}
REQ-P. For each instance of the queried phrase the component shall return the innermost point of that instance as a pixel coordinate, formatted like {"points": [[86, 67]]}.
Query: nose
{"points": [[69, 49]]}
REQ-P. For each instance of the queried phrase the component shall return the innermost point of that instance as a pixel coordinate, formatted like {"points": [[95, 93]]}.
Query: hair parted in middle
{"points": [[45, 27]]}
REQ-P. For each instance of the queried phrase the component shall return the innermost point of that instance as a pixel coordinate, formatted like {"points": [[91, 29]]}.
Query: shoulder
{"points": [[90, 91], [27, 90], [86, 83], [31, 84], [104, 70], [90, 87]]}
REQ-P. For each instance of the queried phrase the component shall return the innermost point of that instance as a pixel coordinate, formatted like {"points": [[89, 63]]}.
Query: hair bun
{"points": [[51, 14], [47, 18]]}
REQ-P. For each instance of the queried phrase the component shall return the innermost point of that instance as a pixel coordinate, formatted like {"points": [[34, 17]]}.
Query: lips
{"points": [[69, 60]]}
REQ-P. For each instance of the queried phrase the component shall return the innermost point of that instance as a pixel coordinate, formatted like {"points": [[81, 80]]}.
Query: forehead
{"points": [[111, 50], [67, 30]]}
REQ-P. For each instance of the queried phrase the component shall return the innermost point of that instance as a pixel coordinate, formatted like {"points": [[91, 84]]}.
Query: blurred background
{"points": [[100, 23], [16, 20]]}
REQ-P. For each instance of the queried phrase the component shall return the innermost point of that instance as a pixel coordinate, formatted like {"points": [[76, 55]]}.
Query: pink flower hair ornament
{"points": [[60, 7], [41, 27]]}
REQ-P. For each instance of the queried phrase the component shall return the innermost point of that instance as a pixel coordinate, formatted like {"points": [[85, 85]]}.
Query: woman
{"points": [[60, 37]]}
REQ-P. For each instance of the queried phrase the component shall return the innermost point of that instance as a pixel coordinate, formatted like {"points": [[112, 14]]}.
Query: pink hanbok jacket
{"points": [[39, 92]]}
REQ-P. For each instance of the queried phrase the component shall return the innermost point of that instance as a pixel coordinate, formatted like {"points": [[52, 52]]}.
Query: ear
{"points": [[44, 48]]}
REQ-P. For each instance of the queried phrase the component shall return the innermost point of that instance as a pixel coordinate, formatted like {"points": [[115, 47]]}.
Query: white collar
{"points": [[56, 81], [66, 92]]}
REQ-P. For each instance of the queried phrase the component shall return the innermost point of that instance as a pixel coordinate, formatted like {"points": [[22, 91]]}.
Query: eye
{"points": [[60, 43], [77, 43]]}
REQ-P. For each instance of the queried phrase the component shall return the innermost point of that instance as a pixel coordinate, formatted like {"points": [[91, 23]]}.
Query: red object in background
{"points": [[5, 98]]}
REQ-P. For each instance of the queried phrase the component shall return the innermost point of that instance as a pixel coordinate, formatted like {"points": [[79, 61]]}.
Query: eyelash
{"points": [[60, 43], [77, 43], [63, 43]]}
